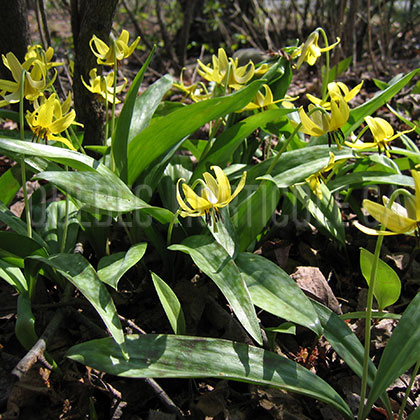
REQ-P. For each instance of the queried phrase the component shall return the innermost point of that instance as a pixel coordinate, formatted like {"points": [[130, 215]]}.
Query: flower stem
{"points": [[22, 158], [113, 104], [66, 223], [327, 66], [363, 411]]}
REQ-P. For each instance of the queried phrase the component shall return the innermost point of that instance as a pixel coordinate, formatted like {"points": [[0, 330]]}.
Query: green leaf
{"points": [[18, 225], [273, 290], [170, 304], [120, 137], [15, 247], [146, 104], [362, 179], [112, 267], [52, 228], [163, 133], [77, 270], [358, 114], [295, 166], [325, 211], [166, 356], [13, 275], [25, 322], [227, 142], [254, 212], [415, 415], [10, 183], [401, 352], [387, 285], [213, 260], [60, 155], [95, 190]]}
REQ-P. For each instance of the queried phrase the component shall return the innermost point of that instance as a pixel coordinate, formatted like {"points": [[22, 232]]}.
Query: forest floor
{"points": [[323, 269]]}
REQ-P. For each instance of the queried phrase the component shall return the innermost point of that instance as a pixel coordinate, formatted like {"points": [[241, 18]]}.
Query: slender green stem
{"points": [[113, 104], [106, 109], [363, 411], [327, 65], [368, 322], [66, 223], [408, 390], [22, 158]]}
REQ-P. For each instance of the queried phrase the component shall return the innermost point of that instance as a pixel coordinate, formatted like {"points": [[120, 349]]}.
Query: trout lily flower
{"points": [[317, 178], [310, 51], [397, 219], [321, 122], [216, 193], [382, 133], [104, 85], [226, 72], [264, 100], [34, 79], [50, 118], [37, 53], [336, 88], [118, 50]]}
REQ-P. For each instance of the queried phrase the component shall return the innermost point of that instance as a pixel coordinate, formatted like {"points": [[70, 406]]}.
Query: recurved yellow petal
{"points": [[389, 219]]}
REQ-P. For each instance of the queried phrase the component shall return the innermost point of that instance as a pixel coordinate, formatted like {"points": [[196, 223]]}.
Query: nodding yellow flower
{"points": [[264, 100], [382, 133], [50, 118], [321, 122], [34, 80], [104, 85], [36, 52], [315, 179], [225, 72], [336, 88], [215, 194], [310, 51], [118, 50], [397, 219]]}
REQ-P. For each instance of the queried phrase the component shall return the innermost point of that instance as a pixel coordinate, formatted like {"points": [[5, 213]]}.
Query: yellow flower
{"points": [[382, 133], [263, 101], [314, 180], [397, 219], [336, 88], [37, 53], [321, 122], [50, 118], [118, 50], [226, 72], [104, 85], [34, 80], [215, 194], [310, 51]]}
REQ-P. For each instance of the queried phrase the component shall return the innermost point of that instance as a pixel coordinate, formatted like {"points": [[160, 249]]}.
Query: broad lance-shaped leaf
{"points": [[163, 133], [401, 352], [60, 155], [170, 304], [358, 114], [325, 211], [273, 290], [168, 356], [215, 262], [112, 267], [98, 193], [77, 270], [297, 165], [387, 283], [120, 136]]}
